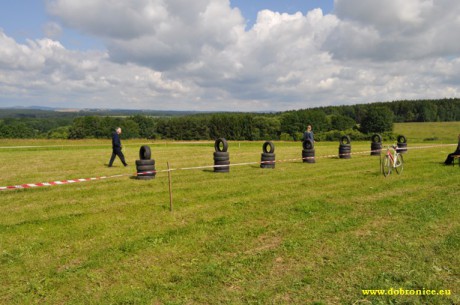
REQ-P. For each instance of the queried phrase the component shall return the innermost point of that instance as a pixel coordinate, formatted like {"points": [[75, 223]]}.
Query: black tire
{"points": [[223, 162], [267, 165], [272, 147], [145, 153], [224, 144], [145, 168], [345, 138], [376, 138], [308, 144], [221, 159], [220, 168], [376, 149], [143, 177], [402, 139], [268, 155], [145, 162], [145, 174], [221, 154], [308, 155], [267, 158], [401, 148], [345, 151]]}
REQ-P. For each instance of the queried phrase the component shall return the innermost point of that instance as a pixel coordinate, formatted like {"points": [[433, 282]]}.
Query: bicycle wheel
{"points": [[386, 165], [399, 164]]}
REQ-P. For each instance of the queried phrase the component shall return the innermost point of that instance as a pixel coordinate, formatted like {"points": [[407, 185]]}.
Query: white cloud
{"points": [[155, 33], [52, 30], [395, 30], [43, 71], [171, 54], [111, 19]]}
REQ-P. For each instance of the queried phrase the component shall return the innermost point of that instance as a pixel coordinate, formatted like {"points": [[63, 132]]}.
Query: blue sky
{"points": [[252, 7], [23, 18], [26, 19], [154, 54]]}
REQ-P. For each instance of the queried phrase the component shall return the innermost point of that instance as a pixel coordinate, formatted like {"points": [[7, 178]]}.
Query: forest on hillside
{"points": [[329, 123]]}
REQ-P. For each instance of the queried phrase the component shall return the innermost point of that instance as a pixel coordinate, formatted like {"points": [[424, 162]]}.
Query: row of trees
{"points": [[329, 123]]}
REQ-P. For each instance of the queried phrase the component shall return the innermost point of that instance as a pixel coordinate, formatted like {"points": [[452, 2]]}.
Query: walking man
{"points": [[116, 148]]}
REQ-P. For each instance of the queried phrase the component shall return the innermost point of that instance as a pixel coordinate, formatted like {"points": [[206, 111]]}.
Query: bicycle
{"points": [[392, 161]]}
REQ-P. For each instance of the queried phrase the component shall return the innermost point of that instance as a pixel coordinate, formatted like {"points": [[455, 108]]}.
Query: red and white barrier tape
{"points": [[33, 185]]}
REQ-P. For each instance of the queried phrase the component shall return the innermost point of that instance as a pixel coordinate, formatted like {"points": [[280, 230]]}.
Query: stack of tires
{"points": [[268, 156], [308, 151], [345, 148], [145, 167], [402, 144], [376, 145], [221, 156]]}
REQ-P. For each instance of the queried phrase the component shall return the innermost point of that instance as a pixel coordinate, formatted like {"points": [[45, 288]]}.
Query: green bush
{"points": [[286, 137], [59, 133]]}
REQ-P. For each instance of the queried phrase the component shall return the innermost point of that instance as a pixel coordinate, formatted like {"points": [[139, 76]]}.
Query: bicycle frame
{"points": [[391, 161], [392, 157]]}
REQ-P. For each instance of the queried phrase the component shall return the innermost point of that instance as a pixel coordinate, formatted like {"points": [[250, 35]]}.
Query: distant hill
{"points": [[49, 112]]}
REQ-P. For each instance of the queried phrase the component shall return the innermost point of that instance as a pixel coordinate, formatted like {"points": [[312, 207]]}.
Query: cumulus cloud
{"points": [[177, 55], [112, 19], [43, 71], [155, 33], [395, 30]]}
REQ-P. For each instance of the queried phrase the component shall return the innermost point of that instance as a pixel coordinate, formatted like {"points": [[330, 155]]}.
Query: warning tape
{"points": [[34, 185]]}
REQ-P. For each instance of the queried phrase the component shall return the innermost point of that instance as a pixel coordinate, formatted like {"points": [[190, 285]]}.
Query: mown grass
{"points": [[298, 234], [444, 132]]}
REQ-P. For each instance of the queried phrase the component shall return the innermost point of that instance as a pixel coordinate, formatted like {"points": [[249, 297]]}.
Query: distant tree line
{"points": [[329, 123]]}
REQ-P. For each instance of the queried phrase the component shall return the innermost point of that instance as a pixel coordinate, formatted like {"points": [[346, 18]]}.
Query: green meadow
{"points": [[323, 233], [441, 132]]}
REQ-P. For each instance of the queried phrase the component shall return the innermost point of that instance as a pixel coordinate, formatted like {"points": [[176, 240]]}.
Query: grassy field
{"points": [[299, 234], [443, 132]]}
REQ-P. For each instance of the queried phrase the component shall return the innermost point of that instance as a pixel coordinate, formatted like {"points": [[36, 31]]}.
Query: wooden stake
{"points": [[170, 189]]}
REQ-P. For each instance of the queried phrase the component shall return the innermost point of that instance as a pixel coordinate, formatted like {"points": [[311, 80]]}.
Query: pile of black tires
{"points": [[308, 151], [376, 145], [221, 156], [345, 148], [268, 156], [402, 144], [145, 167]]}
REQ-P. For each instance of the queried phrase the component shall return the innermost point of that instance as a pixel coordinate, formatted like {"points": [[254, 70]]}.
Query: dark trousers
{"points": [[117, 152], [450, 158]]}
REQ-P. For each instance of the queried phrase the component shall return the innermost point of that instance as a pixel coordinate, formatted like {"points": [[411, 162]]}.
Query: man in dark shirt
{"points": [[450, 157], [308, 135], [116, 148]]}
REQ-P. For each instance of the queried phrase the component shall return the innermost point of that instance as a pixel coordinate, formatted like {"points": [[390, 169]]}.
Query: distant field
{"points": [[446, 132], [299, 234]]}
